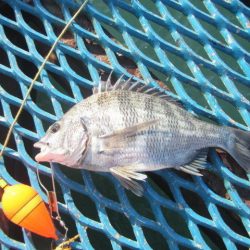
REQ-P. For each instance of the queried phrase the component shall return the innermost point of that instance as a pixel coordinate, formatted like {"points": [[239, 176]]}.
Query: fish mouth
{"points": [[48, 154], [43, 154]]}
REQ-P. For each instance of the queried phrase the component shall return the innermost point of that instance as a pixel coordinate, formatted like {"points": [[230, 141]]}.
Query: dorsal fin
{"points": [[131, 85]]}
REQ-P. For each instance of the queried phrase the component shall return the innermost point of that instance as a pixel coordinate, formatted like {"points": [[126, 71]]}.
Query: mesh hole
{"points": [[86, 92], [11, 86], [195, 202], [104, 185], [130, 18], [146, 49], [196, 95], [244, 43], [244, 194], [16, 38], [1, 110], [41, 242], [213, 78], [16, 169], [3, 134], [183, 175], [4, 58], [213, 31], [102, 7], [196, 47], [67, 38], [215, 183], [232, 165], [30, 2], [73, 174], [121, 224], [155, 239], [77, 65], [85, 205], [230, 110], [7, 11], [162, 32], [60, 83], [70, 223], [150, 6], [65, 106], [179, 63], [103, 241], [212, 239], [15, 232], [85, 22], [129, 65], [238, 246], [162, 79], [230, 61], [180, 17], [160, 186], [243, 89], [141, 205], [230, 16], [46, 179], [246, 2], [13, 110], [53, 7], [176, 222], [28, 145], [26, 121], [3, 219], [94, 47], [42, 100], [199, 5], [114, 34], [43, 50], [233, 221], [34, 22], [27, 67]]}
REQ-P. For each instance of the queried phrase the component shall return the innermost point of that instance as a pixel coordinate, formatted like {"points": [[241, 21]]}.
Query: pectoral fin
{"points": [[129, 179], [119, 138], [125, 132]]}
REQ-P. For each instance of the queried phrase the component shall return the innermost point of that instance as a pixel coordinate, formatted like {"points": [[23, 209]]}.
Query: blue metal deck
{"points": [[198, 50]]}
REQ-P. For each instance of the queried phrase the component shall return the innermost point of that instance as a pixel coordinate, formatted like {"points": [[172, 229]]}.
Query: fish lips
{"points": [[48, 154]]}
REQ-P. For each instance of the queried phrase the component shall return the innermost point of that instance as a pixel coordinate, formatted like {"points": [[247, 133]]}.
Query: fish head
{"points": [[64, 142]]}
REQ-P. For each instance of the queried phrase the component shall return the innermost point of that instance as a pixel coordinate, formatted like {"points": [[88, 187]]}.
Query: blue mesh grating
{"points": [[197, 50]]}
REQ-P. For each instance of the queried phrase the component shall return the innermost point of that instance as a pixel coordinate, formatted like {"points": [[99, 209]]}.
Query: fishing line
{"points": [[54, 203], [51, 195], [37, 75]]}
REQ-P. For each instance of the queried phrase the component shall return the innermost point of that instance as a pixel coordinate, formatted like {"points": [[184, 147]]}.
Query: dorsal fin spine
{"points": [[129, 85]]}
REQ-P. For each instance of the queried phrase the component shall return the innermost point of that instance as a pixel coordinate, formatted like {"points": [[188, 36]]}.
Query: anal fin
{"points": [[129, 178], [198, 163]]}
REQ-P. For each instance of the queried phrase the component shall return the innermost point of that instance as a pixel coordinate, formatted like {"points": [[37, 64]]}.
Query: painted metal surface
{"points": [[190, 47]]}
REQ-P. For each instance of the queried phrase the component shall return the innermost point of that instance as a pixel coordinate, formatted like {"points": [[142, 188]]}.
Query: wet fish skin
{"points": [[127, 132], [172, 141]]}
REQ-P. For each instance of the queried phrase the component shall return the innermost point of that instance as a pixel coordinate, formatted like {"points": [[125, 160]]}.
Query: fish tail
{"points": [[239, 144]]}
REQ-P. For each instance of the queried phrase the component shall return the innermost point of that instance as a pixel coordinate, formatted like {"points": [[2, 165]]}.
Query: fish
{"points": [[128, 128]]}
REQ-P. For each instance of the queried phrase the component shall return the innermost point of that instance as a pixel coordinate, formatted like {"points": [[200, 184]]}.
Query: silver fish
{"points": [[130, 128]]}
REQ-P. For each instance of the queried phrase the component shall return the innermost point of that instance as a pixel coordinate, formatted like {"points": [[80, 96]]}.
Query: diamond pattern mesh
{"points": [[197, 50]]}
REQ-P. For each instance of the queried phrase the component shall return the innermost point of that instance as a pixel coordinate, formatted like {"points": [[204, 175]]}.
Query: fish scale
{"points": [[130, 116], [129, 128]]}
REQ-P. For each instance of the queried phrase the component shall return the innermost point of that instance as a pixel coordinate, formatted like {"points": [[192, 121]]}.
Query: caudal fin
{"points": [[240, 148]]}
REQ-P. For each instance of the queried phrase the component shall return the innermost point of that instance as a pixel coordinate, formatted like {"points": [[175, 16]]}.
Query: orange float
{"points": [[23, 206]]}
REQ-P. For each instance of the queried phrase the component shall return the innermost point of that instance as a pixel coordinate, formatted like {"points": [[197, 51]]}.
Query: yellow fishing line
{"points": [[37, 75]]}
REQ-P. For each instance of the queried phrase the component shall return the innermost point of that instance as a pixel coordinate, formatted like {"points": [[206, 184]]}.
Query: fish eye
{"points": [[54, 128]]}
